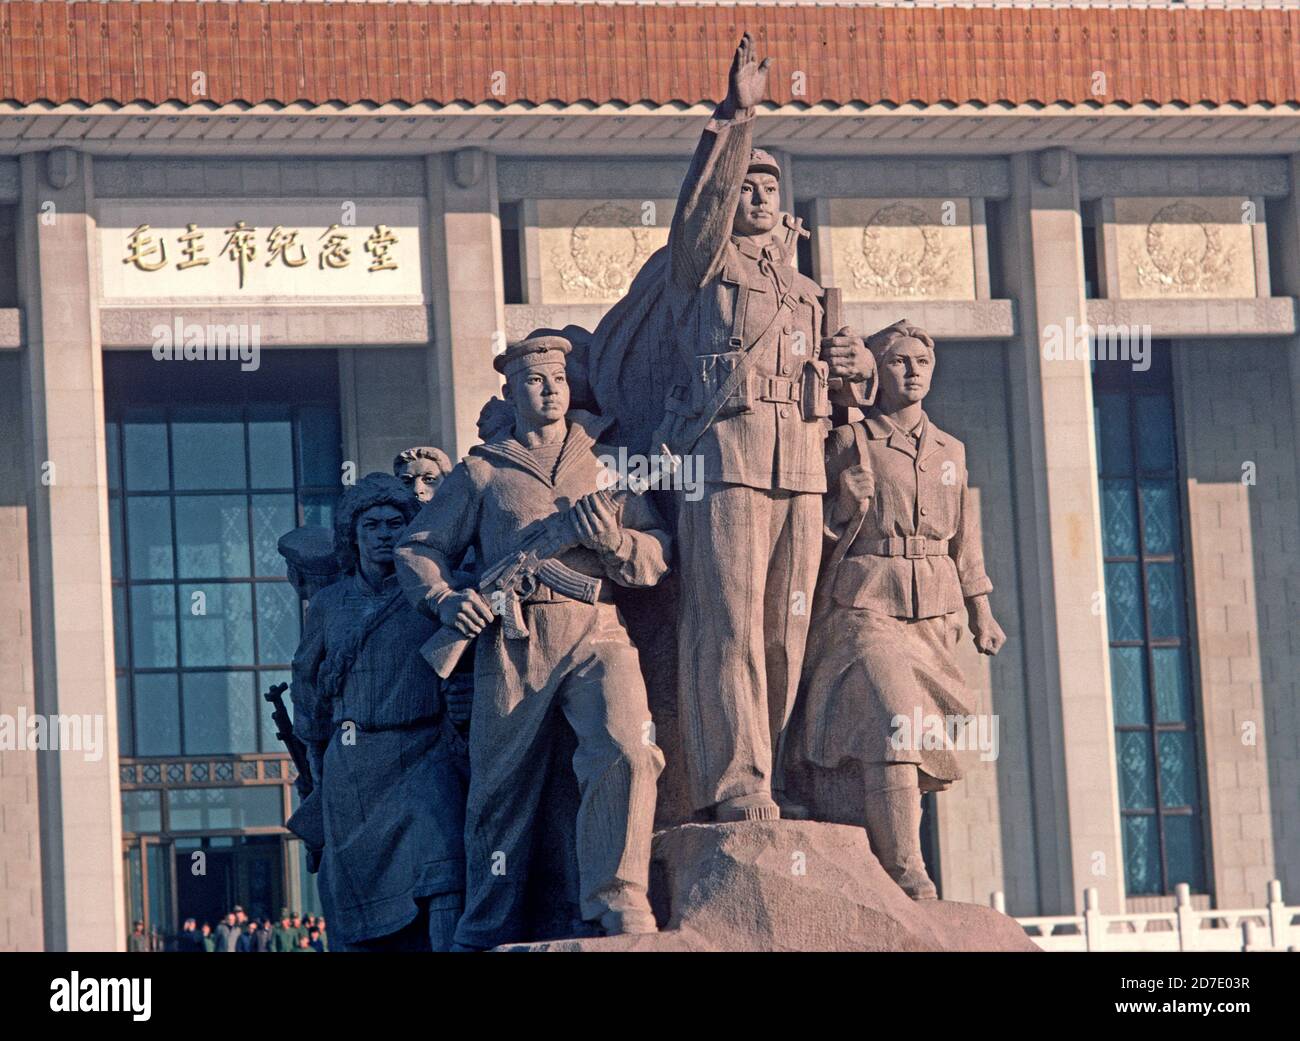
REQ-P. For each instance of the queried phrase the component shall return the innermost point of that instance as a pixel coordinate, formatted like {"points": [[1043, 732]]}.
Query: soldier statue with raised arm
{"points": [[750, 365]]}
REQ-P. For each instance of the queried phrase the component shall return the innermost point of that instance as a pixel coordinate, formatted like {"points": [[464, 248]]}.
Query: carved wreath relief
{"points": [[1182, 251], [902, 254], [588, 253], [903, 249], [1171, 248], [606, 247]]}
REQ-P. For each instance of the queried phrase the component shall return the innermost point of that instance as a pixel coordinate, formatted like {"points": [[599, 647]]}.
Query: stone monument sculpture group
{"points": [[490, 648]]}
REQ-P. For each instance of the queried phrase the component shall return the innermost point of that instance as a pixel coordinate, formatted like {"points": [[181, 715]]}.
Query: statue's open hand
{"points": [[466, 611], [988, 635], [848, 356], [747, 85], [597, 523]]}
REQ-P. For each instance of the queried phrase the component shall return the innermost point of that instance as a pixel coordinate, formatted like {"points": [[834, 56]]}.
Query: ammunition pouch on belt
{"points": [[711, 373], [815, 399], [810, 390]]}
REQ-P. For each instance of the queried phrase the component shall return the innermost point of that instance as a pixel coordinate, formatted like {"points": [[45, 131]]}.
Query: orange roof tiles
{"points": [[58, 51]]}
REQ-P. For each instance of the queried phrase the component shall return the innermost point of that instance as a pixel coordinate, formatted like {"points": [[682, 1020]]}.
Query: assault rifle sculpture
{"points": [[510, 581]]}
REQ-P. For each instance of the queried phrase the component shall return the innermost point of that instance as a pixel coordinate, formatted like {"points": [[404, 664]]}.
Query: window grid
{"points": [[1112, 380], [119, 496]]}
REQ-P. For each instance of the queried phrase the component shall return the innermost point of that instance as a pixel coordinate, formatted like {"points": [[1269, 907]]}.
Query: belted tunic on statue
{"points": [[577, 660], [890, 607]]}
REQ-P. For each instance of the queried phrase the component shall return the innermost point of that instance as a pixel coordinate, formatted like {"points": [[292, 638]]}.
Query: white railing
{"points": [[1274, 927]]}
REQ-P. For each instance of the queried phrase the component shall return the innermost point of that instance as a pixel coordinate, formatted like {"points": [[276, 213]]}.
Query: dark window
{"points": [[994, 215], [1091, 272], [1282, 270], [207, 467], [8, 257], [512, 257], [1156, 731]]}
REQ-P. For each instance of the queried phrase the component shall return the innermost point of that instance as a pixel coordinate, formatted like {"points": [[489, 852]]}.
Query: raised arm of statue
{"points": [[710, 192]]}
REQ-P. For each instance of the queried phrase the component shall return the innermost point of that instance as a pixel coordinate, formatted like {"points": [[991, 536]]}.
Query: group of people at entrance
{"points": [[821, 575], [238, 933]]}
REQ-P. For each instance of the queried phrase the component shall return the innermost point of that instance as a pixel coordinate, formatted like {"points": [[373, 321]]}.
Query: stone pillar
{"points": [[1283, 778], [530, 236], [979, 242], [389, 401], [21, 927], [1076, 803], [1285, 277], [823, 255], [1259, 244], [468, 294], [1237, 541], [72, 637]]}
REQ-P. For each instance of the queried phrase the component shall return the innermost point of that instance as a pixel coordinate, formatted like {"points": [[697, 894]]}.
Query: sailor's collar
{"points": [[583, 430]]}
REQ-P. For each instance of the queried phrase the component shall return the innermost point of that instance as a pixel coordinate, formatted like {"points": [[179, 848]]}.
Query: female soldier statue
{"points": [[905, 559]]}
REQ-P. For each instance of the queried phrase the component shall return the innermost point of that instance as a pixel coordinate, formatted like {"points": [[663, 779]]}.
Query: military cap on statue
{"points": [[880, 343], [534, 350], [763, 162]]}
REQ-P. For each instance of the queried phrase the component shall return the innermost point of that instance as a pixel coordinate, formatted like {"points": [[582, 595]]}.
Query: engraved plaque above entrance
{"points": [[264, 251]]}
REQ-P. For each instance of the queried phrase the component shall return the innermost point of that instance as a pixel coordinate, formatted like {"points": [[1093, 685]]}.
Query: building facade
{"points": [[248, 252]]}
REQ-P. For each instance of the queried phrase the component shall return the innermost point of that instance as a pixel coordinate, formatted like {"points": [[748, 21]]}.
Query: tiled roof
{"points": [[56, 51]]}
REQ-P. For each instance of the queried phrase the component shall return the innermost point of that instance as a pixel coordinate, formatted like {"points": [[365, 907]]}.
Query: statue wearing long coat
{"points": [[889, 608], [393, 790]]}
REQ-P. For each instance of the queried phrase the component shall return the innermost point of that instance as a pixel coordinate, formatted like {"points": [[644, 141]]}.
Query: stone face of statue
{"points": [[540, 395], [422, 476], [377, 532], [906, 370], [757, 211]]}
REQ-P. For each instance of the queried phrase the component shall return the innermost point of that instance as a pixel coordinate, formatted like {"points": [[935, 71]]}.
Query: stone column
{"points": [[1076, 803], [1236, 540], [21, 927], [823, 255], [1285, 277], [468, 295], [1282, 781], [72, 638]]}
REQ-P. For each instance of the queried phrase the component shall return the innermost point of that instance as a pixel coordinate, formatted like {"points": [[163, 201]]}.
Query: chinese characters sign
{"points": [[238, 252]]}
